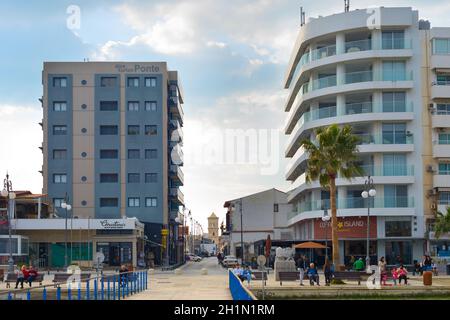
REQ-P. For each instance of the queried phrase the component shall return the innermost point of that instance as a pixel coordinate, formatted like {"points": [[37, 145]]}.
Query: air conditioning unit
{"points": [[431, 192], [430, 168]]}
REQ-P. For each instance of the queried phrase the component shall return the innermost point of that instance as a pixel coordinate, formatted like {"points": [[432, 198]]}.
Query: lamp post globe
{"points": [[372, 192]]}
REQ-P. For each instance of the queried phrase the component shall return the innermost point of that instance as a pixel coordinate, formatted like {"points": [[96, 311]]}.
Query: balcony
{"points": [[176, 173], [440, 89], [324, 82], [441, 150], [370, 143], [177, 195], [175, 107], [440, 119], [441, 181]]}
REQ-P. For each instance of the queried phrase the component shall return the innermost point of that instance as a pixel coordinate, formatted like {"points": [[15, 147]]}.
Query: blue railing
{"points": [[102, 287], [237, 289]]}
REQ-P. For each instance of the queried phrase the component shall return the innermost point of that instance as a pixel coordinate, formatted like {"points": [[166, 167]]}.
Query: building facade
{"points": [[213, 228], [381, 71], [112, 145]]}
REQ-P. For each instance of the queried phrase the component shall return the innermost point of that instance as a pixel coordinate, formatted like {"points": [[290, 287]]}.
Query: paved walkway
{"points": [[191, 284]]}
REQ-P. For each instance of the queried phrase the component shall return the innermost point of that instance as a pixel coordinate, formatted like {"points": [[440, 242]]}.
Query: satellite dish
{"points": [[261, 260], [99, 257]]}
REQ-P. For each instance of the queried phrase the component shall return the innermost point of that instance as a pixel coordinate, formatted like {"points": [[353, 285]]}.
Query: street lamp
{"points": [[67, 207], [10, 196], [326, 218], [369, 191], [242, 230]]}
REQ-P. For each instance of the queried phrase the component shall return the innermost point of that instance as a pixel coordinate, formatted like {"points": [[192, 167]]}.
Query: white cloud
{"points": [[217, 44]]}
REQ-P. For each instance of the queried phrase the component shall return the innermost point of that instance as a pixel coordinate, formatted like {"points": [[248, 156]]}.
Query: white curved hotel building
{"points": [[386, 74]]}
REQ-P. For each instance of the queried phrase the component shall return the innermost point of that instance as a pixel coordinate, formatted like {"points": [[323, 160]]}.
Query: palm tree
{"points": [[334, 153], [442, 224]]}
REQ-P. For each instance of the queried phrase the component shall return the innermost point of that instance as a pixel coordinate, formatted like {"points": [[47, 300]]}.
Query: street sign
{"points": [[261, 260]]}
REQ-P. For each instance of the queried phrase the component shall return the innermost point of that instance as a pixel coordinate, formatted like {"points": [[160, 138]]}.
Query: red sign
{"points": [[348, 228]]}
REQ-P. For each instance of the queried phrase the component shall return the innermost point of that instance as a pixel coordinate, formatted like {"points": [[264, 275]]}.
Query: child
{"points": [[402, 275], [394, 275]]}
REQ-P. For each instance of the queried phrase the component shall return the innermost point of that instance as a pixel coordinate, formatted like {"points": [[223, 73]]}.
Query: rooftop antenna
{"points": [[347, 5], [302, 17]]}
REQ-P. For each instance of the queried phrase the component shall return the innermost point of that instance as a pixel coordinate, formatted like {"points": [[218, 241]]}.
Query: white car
{"points": [[195, 258], [230, 261]]}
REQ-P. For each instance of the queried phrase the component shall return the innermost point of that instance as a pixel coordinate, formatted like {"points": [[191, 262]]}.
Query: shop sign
{"points": [[112, 224], [348, 227]]}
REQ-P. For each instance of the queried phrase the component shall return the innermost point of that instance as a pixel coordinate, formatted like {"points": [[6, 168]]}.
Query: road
{"points": [[191, 284]]}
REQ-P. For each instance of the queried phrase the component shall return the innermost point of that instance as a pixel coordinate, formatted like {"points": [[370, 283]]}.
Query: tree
{"points": [[333, 154], [442, 224]]}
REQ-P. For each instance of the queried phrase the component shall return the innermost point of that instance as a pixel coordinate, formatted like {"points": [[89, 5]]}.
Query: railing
{"points": [[367, 138], [443, 82], [323, 52], [359, 76], [237, 289], [388, 171], [358, 107], [358, 45], [102, 287], [325, 82]]}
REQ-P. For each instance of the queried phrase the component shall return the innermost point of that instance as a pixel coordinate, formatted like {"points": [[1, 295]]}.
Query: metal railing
{"points": [[358, 45], [103, 287]]}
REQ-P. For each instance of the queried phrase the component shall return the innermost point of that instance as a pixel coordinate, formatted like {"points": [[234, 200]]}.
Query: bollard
{"points": [[44, 294], [102, 288], [146, 281], [28, 295], [58, 293], [95, 289], [88, 291], [114, 287], [109, 291], [9, 296], [79, 292], [69, 293]]}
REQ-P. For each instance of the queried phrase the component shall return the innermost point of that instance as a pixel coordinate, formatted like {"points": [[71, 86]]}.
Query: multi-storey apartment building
{"points": [[386, 74], [112, 146]]}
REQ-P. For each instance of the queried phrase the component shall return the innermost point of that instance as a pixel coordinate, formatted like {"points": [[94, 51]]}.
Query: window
{"points": [[134, 154], [133, 105], [441, 46], [275, 207], [57, 202], [151, 177], [109, 178], [444, 138], [60, 82], [108, 81], [150, 105], [109, 202], [394, 101], [151, 202], [59, 154], [151, 130], [394, 164], [394, 70], [393, 39], [444, 168], [133, 202], [443, 79], [395, 196], [134, 178], [109, 130], [394, 133], [398, 228], [59, 106], [59, 130], [133, 82], [443, 109], [150, 82], [444, 197], [108, 106], [109, 154], [133, 130], [59, 178], [151, 153]]}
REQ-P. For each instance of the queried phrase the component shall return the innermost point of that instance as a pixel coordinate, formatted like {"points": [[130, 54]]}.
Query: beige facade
{"points": [[213, 228]]}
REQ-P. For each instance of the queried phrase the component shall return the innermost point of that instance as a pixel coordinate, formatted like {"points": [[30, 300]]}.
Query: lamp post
{"points": [[326, 218], [67, 207], [369, 191], [10, 196]]}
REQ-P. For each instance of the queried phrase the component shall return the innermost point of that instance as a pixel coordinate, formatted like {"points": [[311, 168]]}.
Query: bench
{"points": [[12, 278], [289, 276], [63, 277], [351, 275], [259, 275]]}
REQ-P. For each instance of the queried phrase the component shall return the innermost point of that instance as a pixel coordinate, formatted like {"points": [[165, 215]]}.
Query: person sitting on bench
{"points": [[22, 274], [32, 275], [313, 275]]}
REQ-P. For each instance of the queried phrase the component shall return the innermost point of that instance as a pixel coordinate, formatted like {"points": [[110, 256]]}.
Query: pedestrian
{"points": [[402, 275], [123, 274], [21, 274], [427, 263], [434, 268], [351, 262], [359, 265], [394, 275], [416, 268], [32, 274], [313, 275], [382, 270], [327, 271], [300, 264]]}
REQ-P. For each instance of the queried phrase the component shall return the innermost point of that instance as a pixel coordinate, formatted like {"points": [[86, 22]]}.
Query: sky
{"points": [[231, 56]]}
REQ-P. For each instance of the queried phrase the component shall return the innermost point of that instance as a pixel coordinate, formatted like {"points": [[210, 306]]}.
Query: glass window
{"points": [[150, 82], [57, 202], [59, 130], [134, 154], [395, 196], [443, 108], [443, 79], [109, 178], [393, 39], [394, 101], [394, 164], [394, 70], [398, 228], [109, 130], [109, 202], [133, 82], [133, 130], [275, 207], [59, 106], [59, 154], [151, 130], [150, 105], [441, 46], [151, 153], [108, 106], [133, 105], [109, 154], [444, 197], [151, 202], [60, 82], [134, 178], [444, 168], [394, 133], [444, 138], [133, 202], [108, 81], [151, 177], [59, 178], [398, 252]]}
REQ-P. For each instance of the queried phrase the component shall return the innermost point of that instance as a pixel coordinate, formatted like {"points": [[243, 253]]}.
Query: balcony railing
{"points": [[358, 107], [359, 76], [358, 45], [323, 52], [325, 82], [388, 170]]}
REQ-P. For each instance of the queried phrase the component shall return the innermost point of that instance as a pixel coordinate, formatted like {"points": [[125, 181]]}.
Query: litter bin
{"points": [[427, 278]]}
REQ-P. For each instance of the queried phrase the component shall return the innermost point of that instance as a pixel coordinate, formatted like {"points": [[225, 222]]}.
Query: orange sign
{"points": [[349, 227]]}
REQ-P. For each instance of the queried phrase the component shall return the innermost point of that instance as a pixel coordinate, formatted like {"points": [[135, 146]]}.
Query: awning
{"points": [[309, 245]]}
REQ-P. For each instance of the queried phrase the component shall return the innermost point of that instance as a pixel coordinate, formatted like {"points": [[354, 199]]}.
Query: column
{"points": [[340, 74], [376, 39], [340, 43], [340, 105], [377, 101], [134, 253]]}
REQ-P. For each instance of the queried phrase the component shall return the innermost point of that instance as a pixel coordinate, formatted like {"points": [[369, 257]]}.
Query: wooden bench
{"points": [[259, 275], [351, 275], [63, 277], [289, 276], [12, 278]]}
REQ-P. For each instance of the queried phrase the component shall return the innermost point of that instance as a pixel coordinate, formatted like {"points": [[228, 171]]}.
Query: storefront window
{"points": [[398, 252], [398, 228], [4, 245], [116, 253], [357, 249]]}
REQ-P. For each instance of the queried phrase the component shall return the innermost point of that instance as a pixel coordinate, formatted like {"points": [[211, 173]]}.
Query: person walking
{"points": [[359, 265], [327, 271], [300, 264], [123, 274], [402, 275], [382, 270]]}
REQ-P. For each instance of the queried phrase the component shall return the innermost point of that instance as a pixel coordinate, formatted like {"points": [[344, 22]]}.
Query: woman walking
{"points": [[327, 271], [382, 270]]}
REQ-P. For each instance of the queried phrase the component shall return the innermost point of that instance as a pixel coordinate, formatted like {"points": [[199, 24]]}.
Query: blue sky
{"points": [[231, 55]]}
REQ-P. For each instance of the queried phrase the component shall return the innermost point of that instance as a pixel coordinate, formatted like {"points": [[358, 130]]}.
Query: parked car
{"points": [[193, 257], [230, 261]]}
